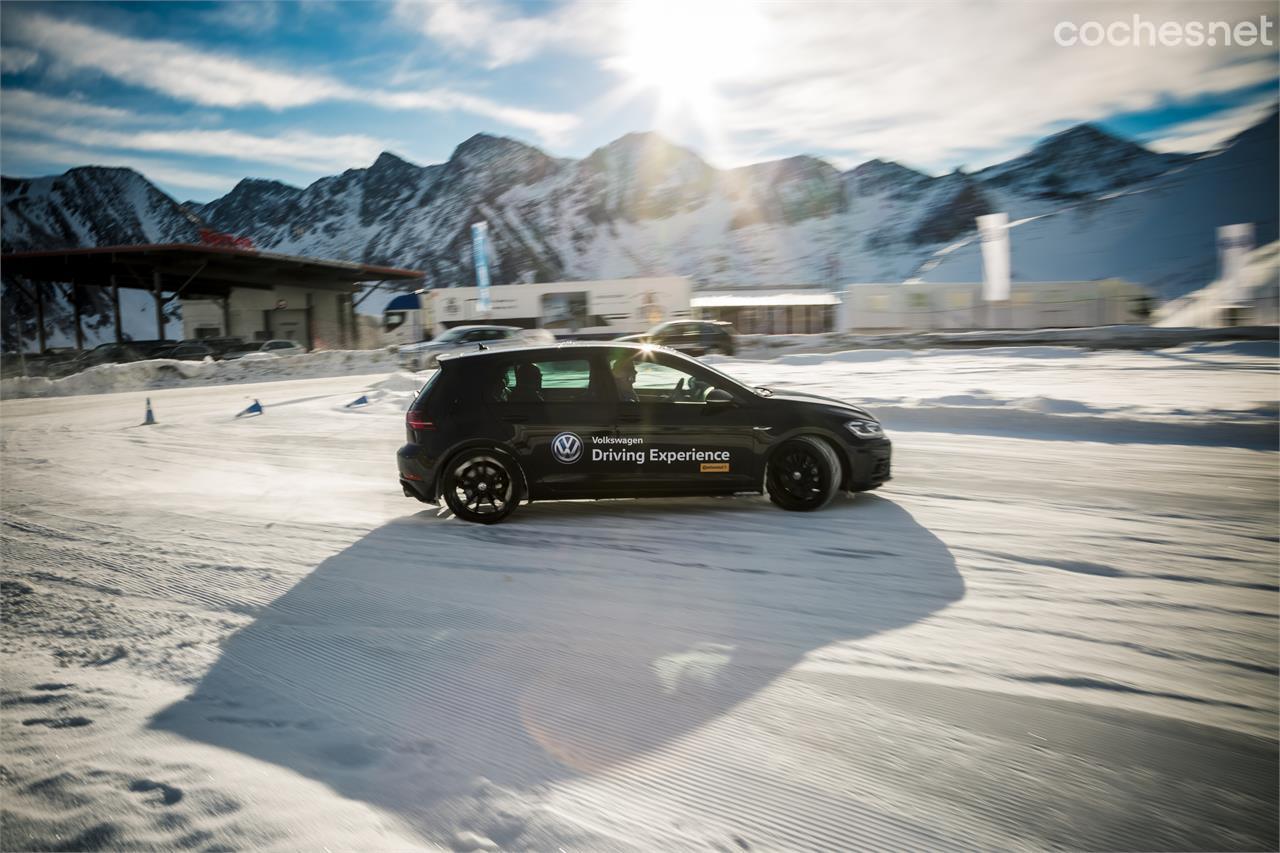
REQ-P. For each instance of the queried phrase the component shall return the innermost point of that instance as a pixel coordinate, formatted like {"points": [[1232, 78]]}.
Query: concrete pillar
{"points": [[115, 306], [311, 335], [75, 303], [40, 332], [355, 327], [341, 303], [157, 293]]}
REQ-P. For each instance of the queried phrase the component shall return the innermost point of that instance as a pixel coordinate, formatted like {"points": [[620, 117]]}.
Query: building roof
{"points": [[194, 270], [764, 298]]}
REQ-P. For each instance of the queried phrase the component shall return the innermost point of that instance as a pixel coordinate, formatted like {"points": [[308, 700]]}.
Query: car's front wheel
{"points": [[481, 486], [803, 474]]}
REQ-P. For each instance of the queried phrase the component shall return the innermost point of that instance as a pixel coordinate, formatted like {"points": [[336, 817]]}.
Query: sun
{"points": [[685, 49]]}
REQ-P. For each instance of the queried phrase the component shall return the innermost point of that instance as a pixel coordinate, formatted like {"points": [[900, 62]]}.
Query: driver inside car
{"points": [[624, 376]]}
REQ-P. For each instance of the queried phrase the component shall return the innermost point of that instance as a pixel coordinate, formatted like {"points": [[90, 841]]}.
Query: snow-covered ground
{"points": [[1057, 626]]}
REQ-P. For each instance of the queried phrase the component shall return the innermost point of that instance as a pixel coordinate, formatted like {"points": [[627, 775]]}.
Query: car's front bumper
{"points": [[870, 464]]}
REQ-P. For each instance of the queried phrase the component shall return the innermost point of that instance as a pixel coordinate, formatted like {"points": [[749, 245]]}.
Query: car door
{"points": [[686, 444], [554, 407]]}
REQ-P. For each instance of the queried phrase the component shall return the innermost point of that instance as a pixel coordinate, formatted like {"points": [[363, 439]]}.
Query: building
{"points": [[1032, 305], [924, 305], [224, 290], [771, 312], [1252, 299]]}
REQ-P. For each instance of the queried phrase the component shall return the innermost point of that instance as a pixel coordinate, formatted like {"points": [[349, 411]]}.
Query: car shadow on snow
{"points": [[434, 658]]}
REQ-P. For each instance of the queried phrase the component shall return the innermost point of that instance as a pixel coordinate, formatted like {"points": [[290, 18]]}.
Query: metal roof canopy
{"points": [[193, 270], [184, 269]]}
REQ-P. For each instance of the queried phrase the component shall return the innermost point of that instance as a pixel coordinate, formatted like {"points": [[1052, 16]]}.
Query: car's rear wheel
{"points": [[803, 474], [481, 486]]}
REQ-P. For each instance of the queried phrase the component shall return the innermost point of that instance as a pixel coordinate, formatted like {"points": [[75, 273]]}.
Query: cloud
{"points": [[1207, 133], [17, 59], [295, 149], [934, 84], [41, 153], [27, 103], [78, 122], [938, 84], [497, 34], [219, 80], [170, 67], [552, 128], [249, 17]]}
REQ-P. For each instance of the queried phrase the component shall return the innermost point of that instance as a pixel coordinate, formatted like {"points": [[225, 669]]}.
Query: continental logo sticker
{"points": [[714, 468]]}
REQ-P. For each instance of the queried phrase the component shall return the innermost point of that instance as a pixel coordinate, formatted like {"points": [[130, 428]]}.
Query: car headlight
{"points": [[864, 429]]}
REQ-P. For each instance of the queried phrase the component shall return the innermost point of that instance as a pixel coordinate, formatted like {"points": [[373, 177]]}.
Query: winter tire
{"points": [[803, 474], [481, 486]]}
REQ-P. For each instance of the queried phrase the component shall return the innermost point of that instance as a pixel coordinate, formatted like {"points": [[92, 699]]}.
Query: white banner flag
{"points": [[1234, 242], [480, 254], [994, 231]]}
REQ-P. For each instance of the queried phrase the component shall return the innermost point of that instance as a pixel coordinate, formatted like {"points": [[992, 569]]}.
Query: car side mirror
{"points": [[719, 397]]}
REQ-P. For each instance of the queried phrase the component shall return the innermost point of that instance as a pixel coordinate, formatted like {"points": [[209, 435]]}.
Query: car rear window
{"points": [[542, 381], [421, 400]]}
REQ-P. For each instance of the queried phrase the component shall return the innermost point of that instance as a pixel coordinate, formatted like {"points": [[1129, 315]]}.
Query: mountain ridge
{"points": [[640, 205]]}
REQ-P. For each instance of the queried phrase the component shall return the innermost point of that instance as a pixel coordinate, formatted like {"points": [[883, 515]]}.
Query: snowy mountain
{"points": [[1097, 206], [90, 206], [1161, 232], [1081, 162]]}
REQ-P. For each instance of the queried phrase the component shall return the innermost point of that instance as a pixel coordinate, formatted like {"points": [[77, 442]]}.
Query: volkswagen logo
{"points": [[566, 447]]}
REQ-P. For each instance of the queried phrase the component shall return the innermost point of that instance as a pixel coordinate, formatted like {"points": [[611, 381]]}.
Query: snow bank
{"points": [[1097, 337], [170, 373]]}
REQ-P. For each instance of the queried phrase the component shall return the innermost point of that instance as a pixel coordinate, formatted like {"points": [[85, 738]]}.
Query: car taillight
{"points": [[418, 420]]}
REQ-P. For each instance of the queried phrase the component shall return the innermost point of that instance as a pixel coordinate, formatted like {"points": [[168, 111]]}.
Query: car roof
{"points": [[559, 346], [472, 327]]}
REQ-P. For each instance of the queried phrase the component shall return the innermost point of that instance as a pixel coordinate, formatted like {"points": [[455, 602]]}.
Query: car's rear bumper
{"points": [[417, 479]]}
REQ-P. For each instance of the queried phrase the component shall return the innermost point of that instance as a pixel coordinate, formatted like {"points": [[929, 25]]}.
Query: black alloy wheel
{"points": [[803, 474], [480, 486]]}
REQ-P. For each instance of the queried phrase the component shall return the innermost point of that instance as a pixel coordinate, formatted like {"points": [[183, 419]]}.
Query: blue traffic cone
{"points": [[255, 409], [362, 400], [151, 418]]}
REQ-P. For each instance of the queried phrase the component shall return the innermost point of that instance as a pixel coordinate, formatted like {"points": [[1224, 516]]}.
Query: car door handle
{"points": [[629, 419], [515, 419]]}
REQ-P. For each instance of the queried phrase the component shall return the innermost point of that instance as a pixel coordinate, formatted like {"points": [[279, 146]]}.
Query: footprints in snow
{"points": [[48, 693], [58, 722], [167, 795]]}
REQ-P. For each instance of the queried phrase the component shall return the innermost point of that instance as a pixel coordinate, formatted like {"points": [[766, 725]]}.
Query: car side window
{"points": [[641, 380], [544, 381]]}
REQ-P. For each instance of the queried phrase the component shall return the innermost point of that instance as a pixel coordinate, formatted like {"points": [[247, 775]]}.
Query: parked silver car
{"points": [[423, 355], [265, 348]]}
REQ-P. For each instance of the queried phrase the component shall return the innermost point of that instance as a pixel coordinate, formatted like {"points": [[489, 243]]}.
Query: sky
{"points": [[197, 96]]}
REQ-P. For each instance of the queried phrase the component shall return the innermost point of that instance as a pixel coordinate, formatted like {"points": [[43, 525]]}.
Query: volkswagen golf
{"points": [[493, 428]]}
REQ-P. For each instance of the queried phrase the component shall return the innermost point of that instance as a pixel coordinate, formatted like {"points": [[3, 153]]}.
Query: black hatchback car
{"points": [[613, 420]]}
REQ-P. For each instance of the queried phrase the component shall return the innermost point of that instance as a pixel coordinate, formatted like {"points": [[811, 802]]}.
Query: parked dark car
{"points": [[186, 352], [608, 420], [220, 346], [118, 353], [691, 337]]}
